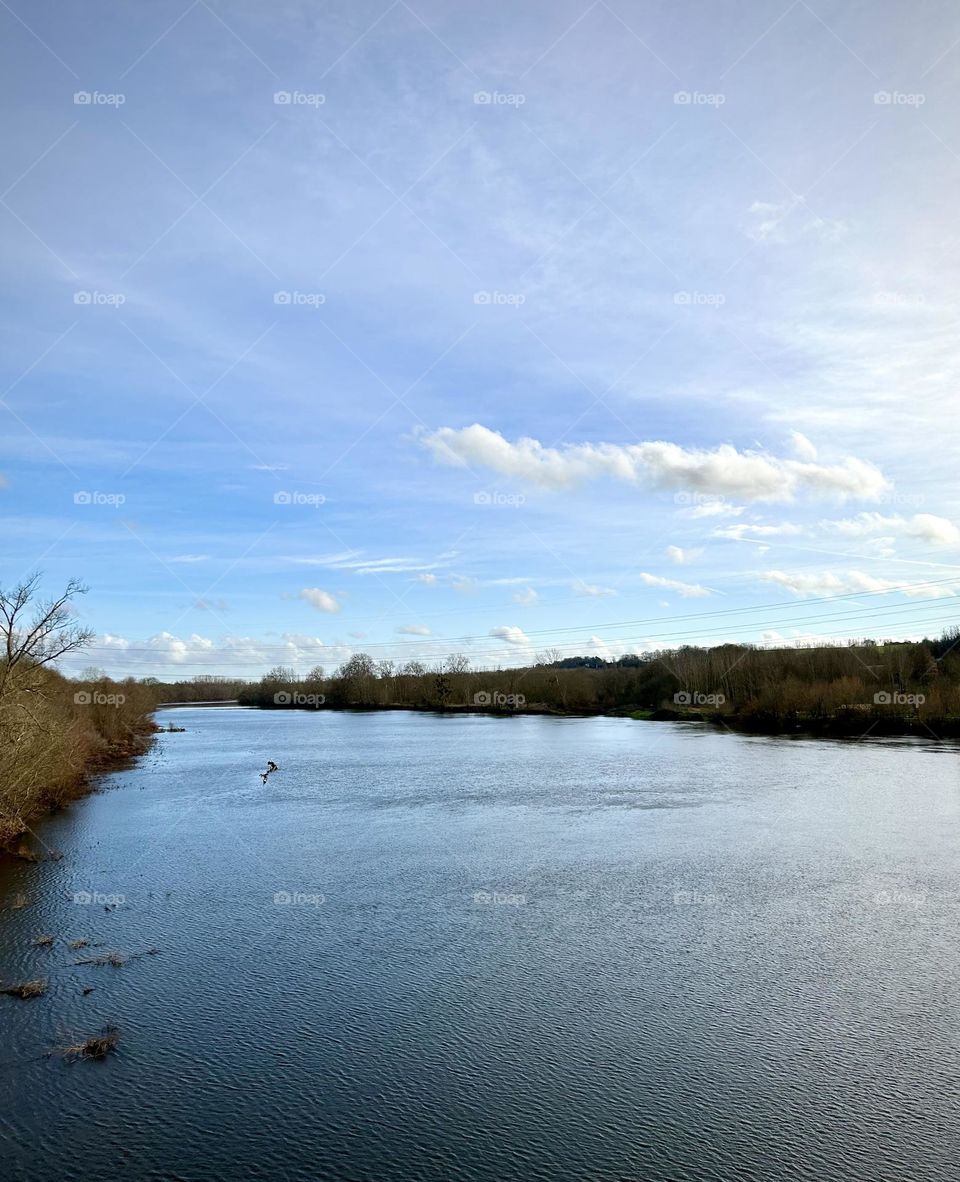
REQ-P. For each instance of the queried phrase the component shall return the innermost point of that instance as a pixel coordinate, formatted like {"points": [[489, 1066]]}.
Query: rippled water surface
{"points": [[493, 949]]}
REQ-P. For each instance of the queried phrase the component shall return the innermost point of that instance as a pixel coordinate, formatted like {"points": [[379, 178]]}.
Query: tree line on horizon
{"points": [[888, 679], [770, 686]]}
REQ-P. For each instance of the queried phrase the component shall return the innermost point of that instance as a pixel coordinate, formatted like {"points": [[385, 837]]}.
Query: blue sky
{"points": [[411, 328]]}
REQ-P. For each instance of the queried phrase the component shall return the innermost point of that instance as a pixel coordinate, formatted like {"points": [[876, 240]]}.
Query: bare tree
{"points": [[34, 634], [548, 656], [282, 674]]}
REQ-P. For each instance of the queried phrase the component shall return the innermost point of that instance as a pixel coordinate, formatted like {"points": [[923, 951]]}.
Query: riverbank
{"points": [[15, 829], [852, 724]]}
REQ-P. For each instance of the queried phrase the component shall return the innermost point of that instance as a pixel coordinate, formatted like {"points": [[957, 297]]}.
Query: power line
{"points": [[789, 605], [492, 654]]}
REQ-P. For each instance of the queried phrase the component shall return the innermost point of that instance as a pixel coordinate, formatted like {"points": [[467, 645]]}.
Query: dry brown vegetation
{"points": [[878, 685], [97, 1047], [26, 989], [44, 941], [116, 959], [55, 733]]}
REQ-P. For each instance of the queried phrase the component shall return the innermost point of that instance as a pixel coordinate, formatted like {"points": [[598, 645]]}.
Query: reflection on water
{"points": [[493, 949]]}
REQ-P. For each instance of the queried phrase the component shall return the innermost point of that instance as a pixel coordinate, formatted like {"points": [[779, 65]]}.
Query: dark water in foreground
{"points": [[698, 956]]}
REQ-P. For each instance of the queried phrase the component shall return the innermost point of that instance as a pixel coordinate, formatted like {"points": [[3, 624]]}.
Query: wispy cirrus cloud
{"points": [[742, 530], [592, 590], [356, 562]]}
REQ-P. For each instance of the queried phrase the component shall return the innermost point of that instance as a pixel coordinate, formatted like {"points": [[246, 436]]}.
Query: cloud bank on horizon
{"points": [[412, 329]]}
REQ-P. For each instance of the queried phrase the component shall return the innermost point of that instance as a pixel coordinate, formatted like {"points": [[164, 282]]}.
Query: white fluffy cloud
{"points": [[713, 507], [167, 655], [527, 598], [681, 556], [938, 531], [414, 630], [684, 590], [323, 601], [723, 471], [510, 634], [850, 582], [876, 532], [610, 649]]}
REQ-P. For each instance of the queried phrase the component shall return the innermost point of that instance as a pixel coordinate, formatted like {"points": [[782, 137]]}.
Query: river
{"points": [[492, 949]]}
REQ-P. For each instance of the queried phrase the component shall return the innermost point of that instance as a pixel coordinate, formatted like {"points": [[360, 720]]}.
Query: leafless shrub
{"points": [[97, 1047]]}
